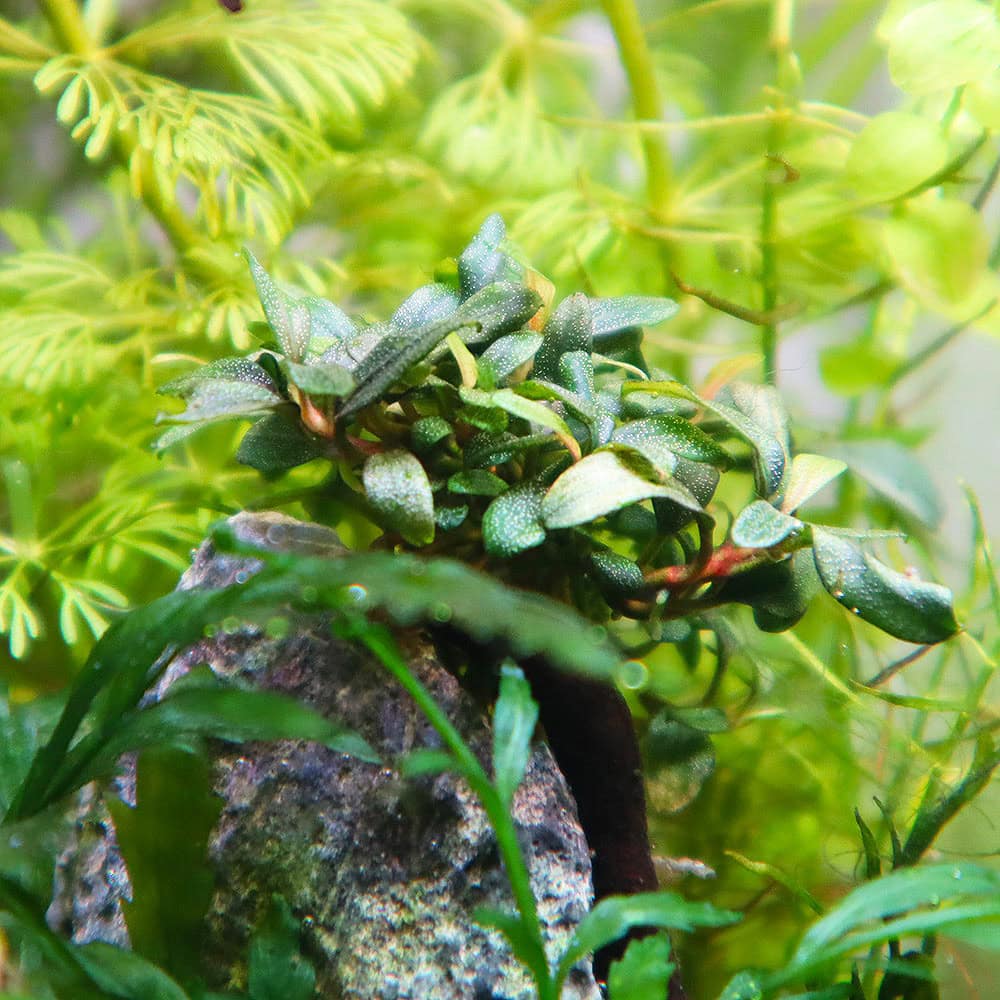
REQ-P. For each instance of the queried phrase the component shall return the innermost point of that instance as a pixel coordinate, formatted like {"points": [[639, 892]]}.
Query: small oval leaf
{"points": [[760, 526], [613, 315], [570, 328], [513, 522], [398, 489]]}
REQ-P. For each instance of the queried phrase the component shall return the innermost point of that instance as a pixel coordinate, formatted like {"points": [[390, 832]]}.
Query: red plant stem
{"points": [[723, 562]]}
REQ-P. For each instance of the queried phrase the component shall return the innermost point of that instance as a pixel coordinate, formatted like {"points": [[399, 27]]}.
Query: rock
{"points": [[384, 874]]}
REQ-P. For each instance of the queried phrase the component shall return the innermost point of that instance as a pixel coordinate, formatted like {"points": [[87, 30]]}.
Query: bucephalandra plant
{"points": [[490, 421]]}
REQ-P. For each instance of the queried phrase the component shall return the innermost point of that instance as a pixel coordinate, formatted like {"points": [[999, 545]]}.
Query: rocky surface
{"points": [[384, 874]]}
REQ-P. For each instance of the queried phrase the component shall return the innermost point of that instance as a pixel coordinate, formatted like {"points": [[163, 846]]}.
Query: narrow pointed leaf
{"points": [[426, 305], [514, 720], [523, 943], [484, 262], [398, 489], [909, 609], [289, 318], [570, 328], [615, 916]]}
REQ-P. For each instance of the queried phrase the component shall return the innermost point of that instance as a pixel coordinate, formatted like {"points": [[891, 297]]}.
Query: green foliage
{"points": [[163, 840], [276, 969], [353, 144]]}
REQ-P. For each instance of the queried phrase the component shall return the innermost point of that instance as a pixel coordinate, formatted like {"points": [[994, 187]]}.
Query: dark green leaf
{"points": [[667, 432], [576, 373], [276, 969], [771, 453], [426, 305], [513, 522], [278, 442], [495, 310], [873, 863], [615, 314], [398, 489], [601, 483], [123, 973], [320, 379], [517, 405], [224, 370], [427, 432], [680, 759], [184, 717], [644, 971], [478, 482], [164, 841], [569, 328], [483, 262], [289, 318], [514, 720], [505, 355], [412, 589], [329, 323], [907, 608], [617, 575], [449, 516], [615, 916], [761, 526]]}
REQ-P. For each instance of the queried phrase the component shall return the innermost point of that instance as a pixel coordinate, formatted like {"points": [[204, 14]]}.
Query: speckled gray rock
{"points": [[385, 874]]}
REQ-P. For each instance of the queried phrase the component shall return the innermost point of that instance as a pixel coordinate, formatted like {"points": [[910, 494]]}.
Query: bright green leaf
{"points": [[944, 44], [808, 475], [164, 841], [320, 379], [398, 489], [615, 916], [938, 248], [894, 153], [505, 355], [514, 718], [643, 972]]}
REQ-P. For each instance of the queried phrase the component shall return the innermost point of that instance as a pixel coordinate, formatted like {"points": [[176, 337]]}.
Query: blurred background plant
{"points": [[812, 181]]}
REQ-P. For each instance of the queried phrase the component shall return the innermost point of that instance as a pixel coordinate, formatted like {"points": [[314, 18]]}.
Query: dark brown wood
{"points": [[589, 727]]}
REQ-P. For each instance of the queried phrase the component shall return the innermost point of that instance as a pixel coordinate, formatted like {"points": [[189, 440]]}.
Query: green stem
{"points": [[379, 641], [67, 22], [638, 63], [782, 15]]}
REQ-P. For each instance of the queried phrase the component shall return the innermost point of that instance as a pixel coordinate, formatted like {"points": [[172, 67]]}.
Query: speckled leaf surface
{"points": [[505, 355], [397, 488], [602, 483], [760, 526], [905, 607], [570, 328], [289, 318], [483, 261], [615, 314], [513, 522], [320, 379], [277, 442]]}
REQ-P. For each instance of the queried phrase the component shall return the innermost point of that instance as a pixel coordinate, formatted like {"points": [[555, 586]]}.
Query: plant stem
{"points": [[638, 63], [66, 20], [782, 14]]}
